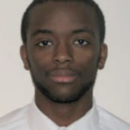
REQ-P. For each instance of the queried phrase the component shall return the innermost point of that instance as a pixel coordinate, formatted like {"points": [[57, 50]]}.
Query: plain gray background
{"points": [[112, 90]]}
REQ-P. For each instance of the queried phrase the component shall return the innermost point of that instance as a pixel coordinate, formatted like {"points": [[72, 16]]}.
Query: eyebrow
{"points": [[84, 30], [77, 31], [42, 31]]}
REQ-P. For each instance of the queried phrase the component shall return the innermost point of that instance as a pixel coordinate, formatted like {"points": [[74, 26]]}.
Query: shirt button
{"points": [[62, 128]]}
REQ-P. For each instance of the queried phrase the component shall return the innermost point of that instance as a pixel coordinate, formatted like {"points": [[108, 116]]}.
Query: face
{"points": [[63, 50]]}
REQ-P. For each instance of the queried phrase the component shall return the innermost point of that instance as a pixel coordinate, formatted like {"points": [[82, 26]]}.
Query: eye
{"points": [[44, 43], [81, 42]]}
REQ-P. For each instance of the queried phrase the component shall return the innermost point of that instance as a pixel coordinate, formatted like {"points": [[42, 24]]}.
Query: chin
{"points": [[65, 93]]}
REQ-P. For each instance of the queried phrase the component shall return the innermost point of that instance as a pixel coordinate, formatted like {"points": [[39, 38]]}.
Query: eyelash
{"points": [[38, 44], [79, 40]]}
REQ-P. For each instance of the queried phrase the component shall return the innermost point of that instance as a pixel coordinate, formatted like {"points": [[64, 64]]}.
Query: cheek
{"points": [[87, 59], [40, 60], [88, 67]]}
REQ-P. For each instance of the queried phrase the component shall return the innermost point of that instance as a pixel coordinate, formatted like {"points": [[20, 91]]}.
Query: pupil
{"points": [[81, 41], [45, 42]]}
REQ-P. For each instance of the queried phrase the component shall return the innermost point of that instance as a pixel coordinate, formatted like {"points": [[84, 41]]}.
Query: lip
{"points": [[63, 76], [63, 79]]}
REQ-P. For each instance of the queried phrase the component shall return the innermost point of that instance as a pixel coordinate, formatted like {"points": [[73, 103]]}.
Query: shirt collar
{"points": [[39, 121]]}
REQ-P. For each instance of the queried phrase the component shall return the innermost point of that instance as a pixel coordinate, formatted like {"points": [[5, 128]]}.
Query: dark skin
{"points": [[63, 53]]}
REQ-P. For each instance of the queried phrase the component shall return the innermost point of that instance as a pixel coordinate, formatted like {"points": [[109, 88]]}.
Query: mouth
{"points": [[63, 79], [63, 76]]}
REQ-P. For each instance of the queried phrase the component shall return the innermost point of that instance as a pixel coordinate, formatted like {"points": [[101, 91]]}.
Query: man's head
{"points": [[63, 47]]}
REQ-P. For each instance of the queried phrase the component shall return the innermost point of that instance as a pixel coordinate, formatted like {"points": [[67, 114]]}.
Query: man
{"points": [[63, 48]]}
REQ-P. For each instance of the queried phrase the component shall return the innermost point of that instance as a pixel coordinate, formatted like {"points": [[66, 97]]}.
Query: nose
{"points": [[63, 54]]}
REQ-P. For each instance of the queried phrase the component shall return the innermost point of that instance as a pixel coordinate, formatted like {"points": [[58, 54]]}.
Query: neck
{"points": [[64, 114]]}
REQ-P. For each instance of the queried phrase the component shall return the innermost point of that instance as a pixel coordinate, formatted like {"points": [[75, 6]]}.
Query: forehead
{"points": [[62, 16]]}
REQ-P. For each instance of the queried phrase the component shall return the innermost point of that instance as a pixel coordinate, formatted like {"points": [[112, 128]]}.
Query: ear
{"points": [[23, 53], [103, 56]]}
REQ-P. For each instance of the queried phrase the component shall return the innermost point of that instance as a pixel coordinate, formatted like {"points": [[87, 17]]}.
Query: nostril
{"points": [[62, 59]]}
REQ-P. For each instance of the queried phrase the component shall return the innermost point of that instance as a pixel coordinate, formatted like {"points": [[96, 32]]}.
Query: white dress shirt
{"points": [[31, 118]]}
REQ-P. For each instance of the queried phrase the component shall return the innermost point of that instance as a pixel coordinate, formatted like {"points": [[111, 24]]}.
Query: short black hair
{"points": [[99, 16]]}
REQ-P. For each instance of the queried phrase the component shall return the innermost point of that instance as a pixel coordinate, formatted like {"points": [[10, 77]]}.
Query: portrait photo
{"points": [[65, 57]]}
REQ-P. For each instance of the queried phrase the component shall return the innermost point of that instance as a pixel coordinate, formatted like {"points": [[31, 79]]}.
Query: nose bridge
{"points": [[63, 53]]}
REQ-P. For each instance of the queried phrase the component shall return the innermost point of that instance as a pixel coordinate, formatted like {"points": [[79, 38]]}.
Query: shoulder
{"points": [[110, 122], [14, 120]]}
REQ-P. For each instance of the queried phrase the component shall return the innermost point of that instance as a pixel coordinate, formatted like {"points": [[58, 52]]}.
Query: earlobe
{"points": [[103, 56], [23, 54]]}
